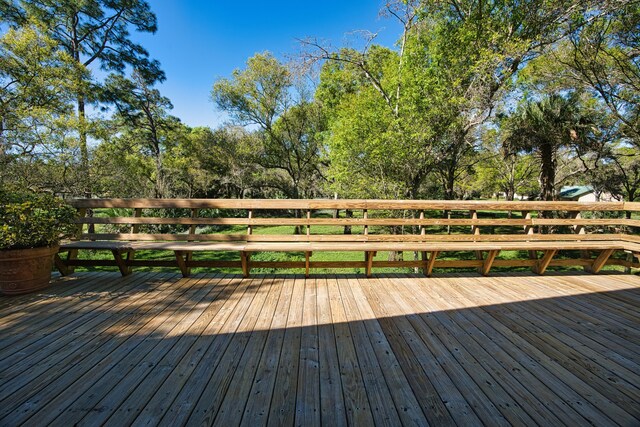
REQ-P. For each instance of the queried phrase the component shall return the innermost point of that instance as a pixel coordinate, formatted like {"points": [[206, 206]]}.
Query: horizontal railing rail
{"points": [[316, 204]]}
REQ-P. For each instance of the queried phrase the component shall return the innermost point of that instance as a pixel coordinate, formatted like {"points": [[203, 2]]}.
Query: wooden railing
{"points": [[384, 225]]}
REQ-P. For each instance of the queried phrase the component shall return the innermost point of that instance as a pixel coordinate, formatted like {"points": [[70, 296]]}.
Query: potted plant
{"points": [[31, 227]]}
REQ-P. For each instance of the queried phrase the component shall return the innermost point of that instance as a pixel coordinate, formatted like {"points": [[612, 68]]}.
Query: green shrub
{"points": [[31, 220]]}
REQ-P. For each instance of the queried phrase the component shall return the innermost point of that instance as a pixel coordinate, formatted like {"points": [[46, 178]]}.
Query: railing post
{"points": [[73, 253], [135, 228], [529, 230], [580, 229], [192, 231], [475, 230]]}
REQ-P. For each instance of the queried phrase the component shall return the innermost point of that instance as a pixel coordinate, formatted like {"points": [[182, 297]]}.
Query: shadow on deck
{"points": [[463, 349]]}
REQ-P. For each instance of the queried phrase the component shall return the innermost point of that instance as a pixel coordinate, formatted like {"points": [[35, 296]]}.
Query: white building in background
{"points": [[584, 193]]}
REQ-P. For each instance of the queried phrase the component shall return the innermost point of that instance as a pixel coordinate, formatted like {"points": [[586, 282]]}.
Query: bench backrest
{"points": [[369, 220]]}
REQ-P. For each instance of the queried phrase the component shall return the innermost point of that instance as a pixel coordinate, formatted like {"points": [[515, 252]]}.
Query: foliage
{"points": [[90, 32], [266, 95], [142, 113], [475, 98], [36, 86], [544, 127], [30, 220]]}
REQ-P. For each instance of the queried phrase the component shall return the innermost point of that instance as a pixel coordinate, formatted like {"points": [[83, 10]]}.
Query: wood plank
{"points": [[593, 331], [233, 403], [332, 406], [137, 383], [283, 402], [49, 334], [377, 391], [356, 403], [104, 239], [244, 260], [318, 204], [357, 307], [431, 263], [465, 343], [570, 372], [466, 403], [563, 346], [256, 411], [434, 324], [538, 368], [61, 376], [221, 339], [135, 371], [219, 378], [308, 406], [182, 263], [554, 344], [369, 256], [431, 386], [215, 320]]}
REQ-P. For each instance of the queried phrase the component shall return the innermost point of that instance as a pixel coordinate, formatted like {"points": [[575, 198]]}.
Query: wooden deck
{"points": [[155, 349]]}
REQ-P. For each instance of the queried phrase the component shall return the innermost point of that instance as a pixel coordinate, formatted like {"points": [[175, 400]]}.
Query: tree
{"points": [[37, 82], [603, 59], [142, 111], [501, 171], [546, 126], [91, 32], [266, 96], [618, 172], [454, 61]]}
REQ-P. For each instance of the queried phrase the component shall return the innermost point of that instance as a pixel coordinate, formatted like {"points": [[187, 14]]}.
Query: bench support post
{"points": [[125, 270], [488, 261], [62, 267], [369, 255], [543, 263], [244, 259], [428, 268], [182, 264], [307, 260], [601, 260]]}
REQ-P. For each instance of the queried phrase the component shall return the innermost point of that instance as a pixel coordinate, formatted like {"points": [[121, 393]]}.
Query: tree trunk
{"points": [[348, 214], [547, 172], [84, 150]]}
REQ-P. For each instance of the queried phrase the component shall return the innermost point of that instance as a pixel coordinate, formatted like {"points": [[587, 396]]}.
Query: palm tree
{"points": [[543, 128]]}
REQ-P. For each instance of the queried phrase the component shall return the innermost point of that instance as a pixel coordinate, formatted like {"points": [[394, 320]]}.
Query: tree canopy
{"points": [[477, 99]]}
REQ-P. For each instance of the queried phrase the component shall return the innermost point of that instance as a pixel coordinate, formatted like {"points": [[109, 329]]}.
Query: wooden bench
{"points": [[427, 228]]}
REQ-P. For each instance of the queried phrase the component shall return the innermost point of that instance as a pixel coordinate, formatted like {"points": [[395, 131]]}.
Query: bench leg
{"points": [[428, 268], [244, 259], [543, 263], [125, 270], [601, 260], [488, 262], [72, 255], [307, 261], [182, 264], [369, 256], [62, 266]]}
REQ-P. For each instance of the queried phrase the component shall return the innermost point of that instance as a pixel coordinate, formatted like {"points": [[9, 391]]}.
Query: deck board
{"points": [[157, 349]]}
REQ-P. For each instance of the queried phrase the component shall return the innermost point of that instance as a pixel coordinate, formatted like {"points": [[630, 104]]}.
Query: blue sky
{"points": [[199, 41]]}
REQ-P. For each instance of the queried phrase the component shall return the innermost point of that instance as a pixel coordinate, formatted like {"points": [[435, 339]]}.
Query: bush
{"points": [[31, 220]]}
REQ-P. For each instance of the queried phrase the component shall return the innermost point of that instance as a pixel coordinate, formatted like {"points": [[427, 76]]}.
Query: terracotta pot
{"points": [[25, 270]]}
